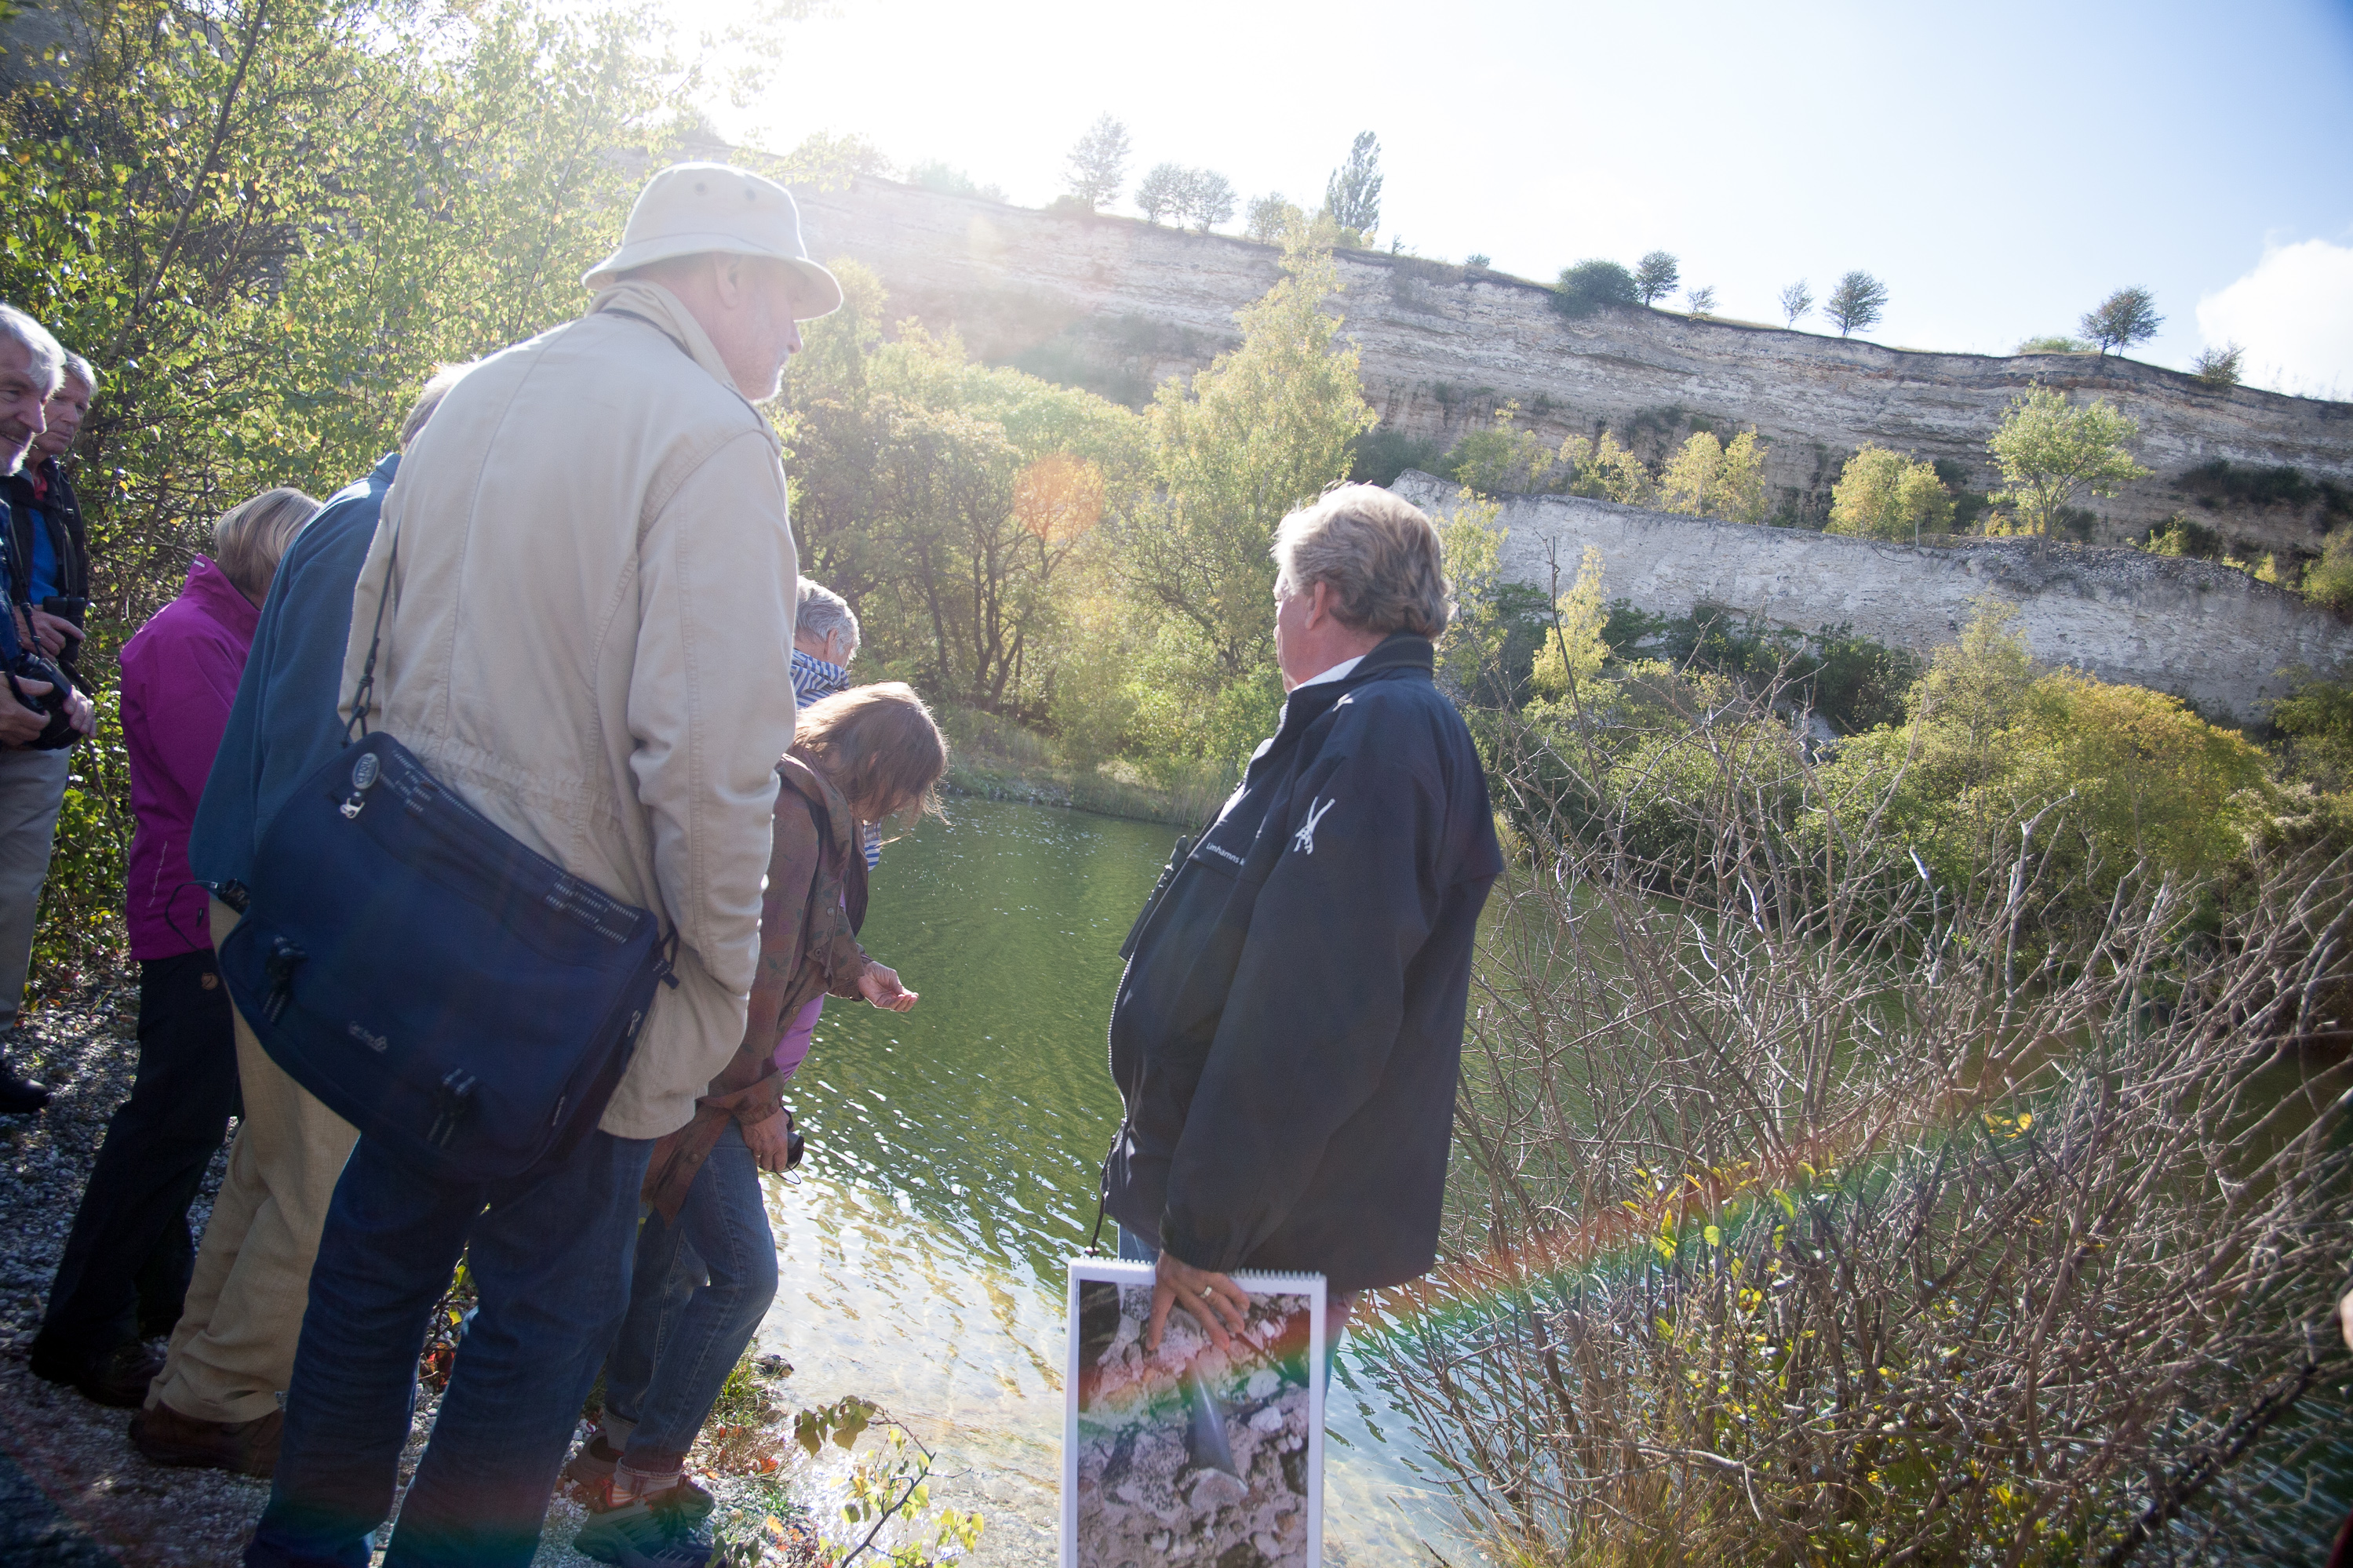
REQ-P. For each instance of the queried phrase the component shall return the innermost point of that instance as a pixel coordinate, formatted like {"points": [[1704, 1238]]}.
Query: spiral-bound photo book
{"points": [[1192, 1454]]}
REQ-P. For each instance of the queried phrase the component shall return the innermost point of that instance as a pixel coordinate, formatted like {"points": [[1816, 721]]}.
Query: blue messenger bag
{"points": [[459, 998]]}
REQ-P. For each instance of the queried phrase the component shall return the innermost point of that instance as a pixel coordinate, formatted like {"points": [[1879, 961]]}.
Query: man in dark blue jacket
{"points": [[1288, 1032], [215, 1402]]}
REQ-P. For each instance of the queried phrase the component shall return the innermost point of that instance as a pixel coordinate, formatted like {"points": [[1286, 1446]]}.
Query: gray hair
{"points": [[429, 398], [821, 611], [248, 539], [1378, 552], [48, 355], [82, 370]]}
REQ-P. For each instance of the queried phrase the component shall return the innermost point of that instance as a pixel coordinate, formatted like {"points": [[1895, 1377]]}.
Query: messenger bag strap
{"points": [[365, 695]]}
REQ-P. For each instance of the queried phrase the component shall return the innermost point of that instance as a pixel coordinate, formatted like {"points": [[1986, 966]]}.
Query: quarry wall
{"points": [[2206, 633], [1117, 304]]}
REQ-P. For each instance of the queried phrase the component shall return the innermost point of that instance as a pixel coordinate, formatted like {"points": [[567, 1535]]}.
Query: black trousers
{"points": [[125, 1270]]}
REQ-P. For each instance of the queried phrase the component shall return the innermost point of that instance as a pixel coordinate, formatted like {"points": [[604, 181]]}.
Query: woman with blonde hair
{"points": [[864, 755], [126, 1264]]}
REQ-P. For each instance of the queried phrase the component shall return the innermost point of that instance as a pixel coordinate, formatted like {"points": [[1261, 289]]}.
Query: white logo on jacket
{"points": [[1305, 837]]}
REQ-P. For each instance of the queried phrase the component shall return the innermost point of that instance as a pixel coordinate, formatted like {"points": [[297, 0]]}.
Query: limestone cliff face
{"points": [[1117, 304], [2211, 634]]}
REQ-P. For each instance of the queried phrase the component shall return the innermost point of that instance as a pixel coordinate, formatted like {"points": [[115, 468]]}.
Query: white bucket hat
{"points": [[689, 208]]}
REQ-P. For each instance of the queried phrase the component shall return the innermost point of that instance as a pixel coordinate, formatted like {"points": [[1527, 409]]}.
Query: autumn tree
{"points": [[1098, 163], [1707, 478], [1882, 494], [1856, 302], [2125, 317], [2050, 451], [1655, 277]]}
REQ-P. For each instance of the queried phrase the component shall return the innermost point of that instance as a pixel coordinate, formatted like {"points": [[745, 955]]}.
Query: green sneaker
{"points": [[659, 1531]]}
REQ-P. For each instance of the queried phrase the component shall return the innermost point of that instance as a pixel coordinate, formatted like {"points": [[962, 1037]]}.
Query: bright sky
{"points": [[2000, 166]]}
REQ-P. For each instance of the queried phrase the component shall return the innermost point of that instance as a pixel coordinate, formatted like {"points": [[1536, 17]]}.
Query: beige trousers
{"points": [[233, 1351]]}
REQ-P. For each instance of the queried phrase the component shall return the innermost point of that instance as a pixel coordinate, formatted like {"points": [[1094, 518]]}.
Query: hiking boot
{"points": [[118, 1378], [18, 1095], [587, 1471], [656, 1531], [243, 1447]]}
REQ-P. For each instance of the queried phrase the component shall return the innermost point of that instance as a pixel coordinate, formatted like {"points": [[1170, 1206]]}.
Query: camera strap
{"points": [[363, 695]]}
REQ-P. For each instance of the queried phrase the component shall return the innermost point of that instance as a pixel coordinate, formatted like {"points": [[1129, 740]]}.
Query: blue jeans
{"points": [[550, 1256], [682, 1336]]}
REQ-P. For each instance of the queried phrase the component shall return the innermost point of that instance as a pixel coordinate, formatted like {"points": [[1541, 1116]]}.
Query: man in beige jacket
{"points": [[587, 633]]}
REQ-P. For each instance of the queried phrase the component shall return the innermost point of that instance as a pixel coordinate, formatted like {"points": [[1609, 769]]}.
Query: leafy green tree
{"points": [[1856, 302], [2048, 452], [1353, 195], [1796, 300], [1592, 286], [2125, 317], [1263, 429], [1501, 461], [1882, 494], [945, 177], [1655, 277], [1267, 216], [1162, 191], [2217, 364], [1206, 199], [1097, 164]]}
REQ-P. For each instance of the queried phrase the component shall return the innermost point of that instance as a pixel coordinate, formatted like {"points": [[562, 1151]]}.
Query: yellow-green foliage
{"points": [[1991, 743], [1573, 651], [1710, 479], [2328, 582], [2049, 449], [1884, 495], [1501, 461], [1607, 471]]}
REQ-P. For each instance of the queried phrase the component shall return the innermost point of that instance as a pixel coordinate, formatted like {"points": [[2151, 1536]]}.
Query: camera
{"points": [[72, 607], [58, 732]]}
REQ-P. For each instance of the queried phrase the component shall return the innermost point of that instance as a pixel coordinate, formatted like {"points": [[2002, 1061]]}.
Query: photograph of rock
{"points": [[1193, 1455]]}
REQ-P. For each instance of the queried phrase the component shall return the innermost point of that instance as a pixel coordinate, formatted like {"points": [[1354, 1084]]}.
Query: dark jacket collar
{"points": [[1399, 651]]}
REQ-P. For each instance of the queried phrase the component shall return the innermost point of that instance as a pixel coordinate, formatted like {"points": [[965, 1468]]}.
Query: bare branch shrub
{"points": [[1815, 1206]]}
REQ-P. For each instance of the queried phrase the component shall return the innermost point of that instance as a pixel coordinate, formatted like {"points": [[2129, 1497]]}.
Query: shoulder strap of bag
{"points": [[365, 696]]}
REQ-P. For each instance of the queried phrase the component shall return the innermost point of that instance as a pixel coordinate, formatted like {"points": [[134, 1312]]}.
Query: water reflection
{"points": [[951, 1174]]}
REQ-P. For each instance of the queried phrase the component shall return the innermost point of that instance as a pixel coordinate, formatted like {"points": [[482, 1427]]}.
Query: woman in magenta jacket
{"points": [[126, 1264]]}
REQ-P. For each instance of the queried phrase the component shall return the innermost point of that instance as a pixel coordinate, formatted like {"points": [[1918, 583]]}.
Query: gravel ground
{"points": [[77, 1453]]}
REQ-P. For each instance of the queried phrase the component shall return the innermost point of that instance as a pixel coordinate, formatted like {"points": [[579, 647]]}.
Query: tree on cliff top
{"points": [[1592, 286], [1205, 199], [1655, 277], [1796, 300], [1353, 195], [1098, 163], [2125, 317], [1856, 302], [2049, 449], [1162, 191]]}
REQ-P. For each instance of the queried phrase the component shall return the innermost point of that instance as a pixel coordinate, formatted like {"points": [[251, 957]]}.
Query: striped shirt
{"points": [[814, 680]]}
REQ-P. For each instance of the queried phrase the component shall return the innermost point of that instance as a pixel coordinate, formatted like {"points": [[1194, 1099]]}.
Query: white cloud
{"points": [[2294, 314]]}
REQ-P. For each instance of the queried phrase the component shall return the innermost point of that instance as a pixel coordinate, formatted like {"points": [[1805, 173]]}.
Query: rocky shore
{"points": [[74, 1493]]}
